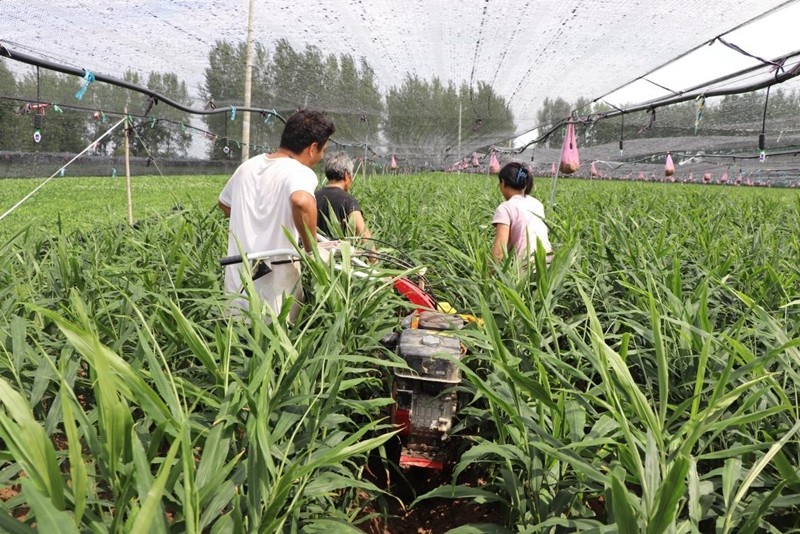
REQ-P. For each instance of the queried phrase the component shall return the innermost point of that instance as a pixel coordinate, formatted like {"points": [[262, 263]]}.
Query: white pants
{"points": [[273, 288]]}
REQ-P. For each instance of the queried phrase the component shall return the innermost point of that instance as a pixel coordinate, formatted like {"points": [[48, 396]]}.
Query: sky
{"points": [[527, 50]]}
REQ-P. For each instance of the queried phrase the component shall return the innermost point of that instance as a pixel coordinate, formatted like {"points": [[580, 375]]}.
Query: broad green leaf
{"points": [[481, 528], [672, 490], [461, 492], [624, 513], [48, 517], [29, 445], [146, 518]]}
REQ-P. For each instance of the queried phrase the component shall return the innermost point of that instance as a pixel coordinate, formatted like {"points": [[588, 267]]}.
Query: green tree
{"points": [[287, 83], [552, 112], [289, 80], [110, 103], [224, 86], [348, 92], [164, 134], [10, 122], [366, 105], [603, 130], [160, 132], [489, 118], [422, 118], [64, 131]]}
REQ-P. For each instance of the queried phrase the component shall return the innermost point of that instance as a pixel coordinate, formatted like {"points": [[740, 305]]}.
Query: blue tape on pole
{"points": [[88, 78]]}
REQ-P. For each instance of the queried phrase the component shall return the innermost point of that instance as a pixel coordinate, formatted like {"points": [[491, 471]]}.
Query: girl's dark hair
{"points": [[517, 175]]}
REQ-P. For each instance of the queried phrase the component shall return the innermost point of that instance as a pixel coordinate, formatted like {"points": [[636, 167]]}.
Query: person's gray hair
{"points": [[337, 165]]}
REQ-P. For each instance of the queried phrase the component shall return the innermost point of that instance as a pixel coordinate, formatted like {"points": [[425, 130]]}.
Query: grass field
{"points": [[68, 204], [647, 380]]}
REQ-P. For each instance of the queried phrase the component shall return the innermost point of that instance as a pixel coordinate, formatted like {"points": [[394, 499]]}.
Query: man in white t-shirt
{"points": [[270, 194]]}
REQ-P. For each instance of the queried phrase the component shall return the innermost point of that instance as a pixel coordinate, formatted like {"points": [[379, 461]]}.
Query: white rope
{"points": [[553, 187], [148, 152], [170, 187], [91, 145]]}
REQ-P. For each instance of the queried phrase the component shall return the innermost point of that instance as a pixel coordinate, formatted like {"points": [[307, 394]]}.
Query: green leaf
{"points": [[695, 508], [48, 517], [730, 475], [29, 445], [480, 528], [787, 471], [152, 503], [624, 513], [752, 474], [330, 526], [461, 492], [672, 490], [661, 355], [77, 467], [12, 525], [189, 335]]}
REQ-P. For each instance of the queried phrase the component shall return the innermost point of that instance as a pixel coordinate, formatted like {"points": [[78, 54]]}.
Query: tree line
{"points": [[730, 115], [67, 124], [417, 119], [416, 116]]}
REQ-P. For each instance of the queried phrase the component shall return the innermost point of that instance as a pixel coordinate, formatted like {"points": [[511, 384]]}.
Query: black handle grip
{"points": [[230, 260]]}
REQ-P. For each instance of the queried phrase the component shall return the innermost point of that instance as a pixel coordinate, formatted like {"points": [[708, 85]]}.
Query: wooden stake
{"points": [[126, 130]]}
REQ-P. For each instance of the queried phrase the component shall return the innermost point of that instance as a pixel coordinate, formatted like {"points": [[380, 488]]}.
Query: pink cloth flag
{"points": [[594, 169], [393, 164], [570, 160], [669, 167], [706, 177], [475, 161]]}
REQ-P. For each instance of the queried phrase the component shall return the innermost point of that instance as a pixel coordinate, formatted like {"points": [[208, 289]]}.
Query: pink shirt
{"points": [[524, 216]]}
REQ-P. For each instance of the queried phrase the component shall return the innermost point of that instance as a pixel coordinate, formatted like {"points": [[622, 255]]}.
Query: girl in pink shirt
{"points": [[519, 221]]}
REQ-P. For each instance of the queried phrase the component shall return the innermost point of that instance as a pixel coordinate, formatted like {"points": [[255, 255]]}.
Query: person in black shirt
{"points": [[338, 212]]}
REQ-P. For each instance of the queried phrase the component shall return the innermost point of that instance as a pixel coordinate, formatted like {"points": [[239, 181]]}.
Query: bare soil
{"points": [[430, 516]]}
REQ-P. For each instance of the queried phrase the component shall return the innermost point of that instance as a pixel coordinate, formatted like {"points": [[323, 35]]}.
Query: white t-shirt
{"points": [[258, 194], [524, 216]]}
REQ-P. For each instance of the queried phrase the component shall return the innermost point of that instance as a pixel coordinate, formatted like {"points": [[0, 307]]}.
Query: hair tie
{"points": [[522, 176]]}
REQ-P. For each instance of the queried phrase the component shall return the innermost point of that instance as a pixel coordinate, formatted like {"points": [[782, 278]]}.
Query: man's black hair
{"points": [[306, 127]]}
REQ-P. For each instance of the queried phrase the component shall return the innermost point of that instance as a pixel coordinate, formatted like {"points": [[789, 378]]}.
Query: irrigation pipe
{"points": [[5, 51], [91, 145]]}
